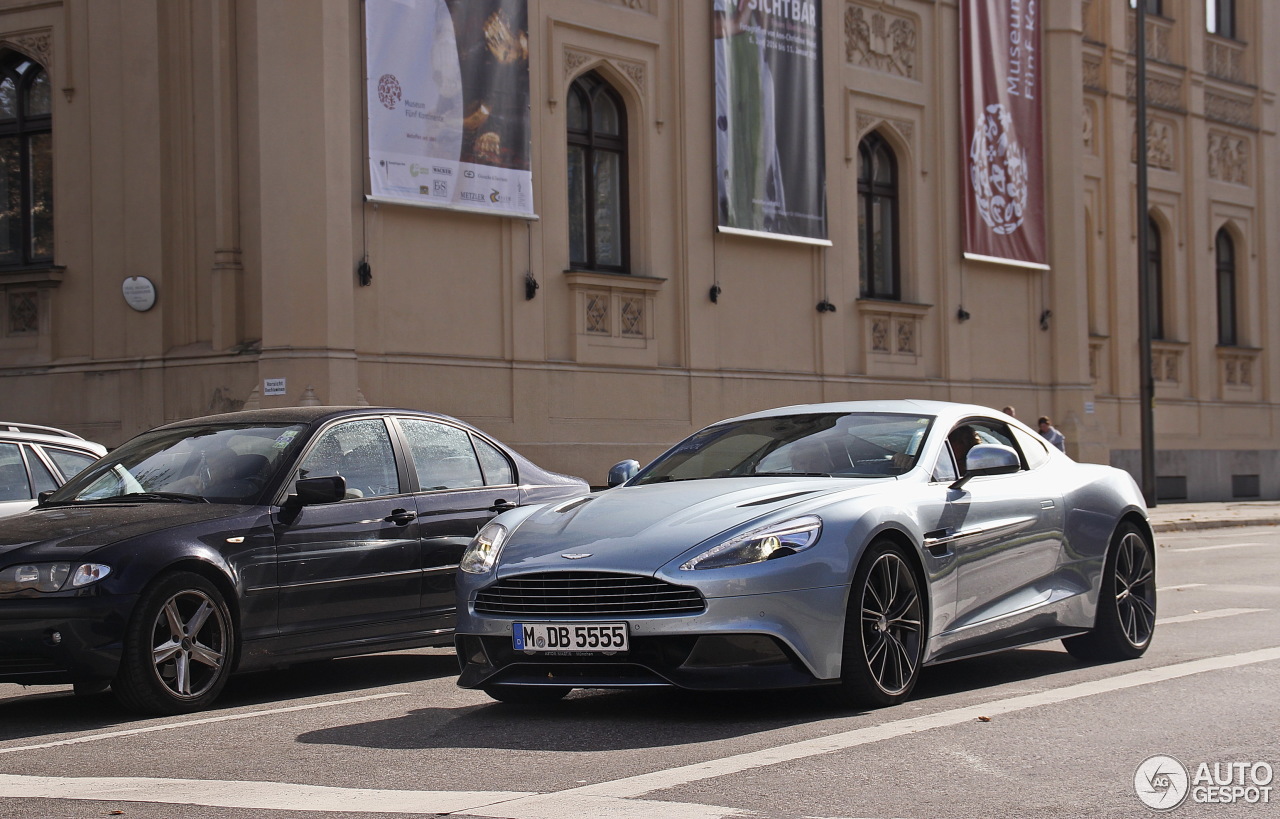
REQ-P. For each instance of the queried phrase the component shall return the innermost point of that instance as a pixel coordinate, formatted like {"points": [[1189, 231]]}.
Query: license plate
{"points": [[577, 638]]}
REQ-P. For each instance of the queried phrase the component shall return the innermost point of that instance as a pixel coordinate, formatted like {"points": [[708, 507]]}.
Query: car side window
{"points": [[359, 451], [442, 455], [497, 469], [1033, 448], [68, 462], [41, 478], [13, 475]]}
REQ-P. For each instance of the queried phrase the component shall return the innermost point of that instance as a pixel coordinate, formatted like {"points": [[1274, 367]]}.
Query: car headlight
{"points": [[482, 553], [50, 577], [766, 543]]}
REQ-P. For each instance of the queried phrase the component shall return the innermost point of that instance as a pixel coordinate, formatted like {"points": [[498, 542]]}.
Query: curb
{"points": [[1192, 525]]}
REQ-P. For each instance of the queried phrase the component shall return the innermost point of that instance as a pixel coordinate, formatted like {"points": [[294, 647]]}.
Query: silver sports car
{"points": [[839, 545]]}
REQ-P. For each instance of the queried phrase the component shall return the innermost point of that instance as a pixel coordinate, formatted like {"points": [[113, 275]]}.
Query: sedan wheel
{"points": [[1126, 605], [178, 648], [884, 636]]}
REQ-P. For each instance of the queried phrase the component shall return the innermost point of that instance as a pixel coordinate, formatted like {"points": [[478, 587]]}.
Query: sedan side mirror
{"points": [[622, 472], [325, 489], [44, 496], [989, 459]]}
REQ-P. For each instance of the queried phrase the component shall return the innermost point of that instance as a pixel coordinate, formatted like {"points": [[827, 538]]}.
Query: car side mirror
{"points": [[44, 496], [324, 489], [989, 459], [622, 472]]}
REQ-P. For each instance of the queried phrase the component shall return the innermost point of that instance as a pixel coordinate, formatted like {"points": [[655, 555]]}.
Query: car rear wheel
{"points": [[1126, 602], [883, 632], [527, 694], [178, 647]]}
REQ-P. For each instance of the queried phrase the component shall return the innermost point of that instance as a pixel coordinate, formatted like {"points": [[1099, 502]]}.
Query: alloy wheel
{"points": [[1135, 590], [891, 623], [189, 642]]}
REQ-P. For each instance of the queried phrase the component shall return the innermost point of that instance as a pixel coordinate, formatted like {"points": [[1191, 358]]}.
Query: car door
{"points": [[353, 566], [464, 481], [1006, 535], [15, 489]]}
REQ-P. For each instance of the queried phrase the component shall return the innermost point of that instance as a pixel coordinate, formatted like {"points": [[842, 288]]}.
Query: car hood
{"points": [[639, 529], [71, 532]]}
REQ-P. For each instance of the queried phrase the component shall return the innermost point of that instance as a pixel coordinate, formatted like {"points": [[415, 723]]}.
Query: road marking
{"points": [[614, 799], [1181, 587], [1215, 548], [205, 721], [1204, 615]]}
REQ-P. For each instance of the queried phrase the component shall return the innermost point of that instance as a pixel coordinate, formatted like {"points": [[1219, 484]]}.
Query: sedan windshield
{"points": [[217, 463], [847, 445]]}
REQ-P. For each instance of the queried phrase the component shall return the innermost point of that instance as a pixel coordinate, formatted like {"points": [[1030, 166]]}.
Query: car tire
{"points": [[1126, 602], [528, 694], [88, 688], [884, 635], [178, 647]]}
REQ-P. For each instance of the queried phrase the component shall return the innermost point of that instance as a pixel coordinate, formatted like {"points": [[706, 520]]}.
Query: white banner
{"points": [[448, 102]]}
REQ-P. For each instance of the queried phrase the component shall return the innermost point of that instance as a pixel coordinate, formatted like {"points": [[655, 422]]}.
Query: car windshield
{"points": [[215, 463], [847, 445]]}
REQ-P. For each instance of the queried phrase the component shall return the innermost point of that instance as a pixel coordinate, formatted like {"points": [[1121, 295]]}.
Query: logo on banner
{"points": [[389, 91], [998, 171]]}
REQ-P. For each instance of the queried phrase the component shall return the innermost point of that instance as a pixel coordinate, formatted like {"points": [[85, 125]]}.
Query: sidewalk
{"points": [[1178, 517]]}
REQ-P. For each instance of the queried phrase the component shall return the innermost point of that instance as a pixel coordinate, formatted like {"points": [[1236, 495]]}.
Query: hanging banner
{"points": [[770, 151], [448, 102], [1003, 136]]}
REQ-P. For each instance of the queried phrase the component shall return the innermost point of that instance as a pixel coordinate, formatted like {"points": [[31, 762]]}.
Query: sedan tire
{"points": [[883, 632], [178, 648], [1126, 602]]}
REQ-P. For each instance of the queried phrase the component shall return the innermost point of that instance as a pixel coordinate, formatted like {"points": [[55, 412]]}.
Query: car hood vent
{"points": [[775, 499]]}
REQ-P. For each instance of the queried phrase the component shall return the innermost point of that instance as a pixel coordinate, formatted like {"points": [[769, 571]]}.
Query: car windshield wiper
{"points": [[788, 475], [165, 497]]}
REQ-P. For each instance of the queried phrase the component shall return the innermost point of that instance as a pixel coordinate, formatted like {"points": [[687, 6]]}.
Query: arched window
{"points": [[26, 161], [1155, 270], [597, 137], [878, 220], [1226, 270]]}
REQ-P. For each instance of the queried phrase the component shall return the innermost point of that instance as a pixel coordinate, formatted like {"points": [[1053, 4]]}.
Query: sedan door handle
{"points": [[502, 506], [400, 517]]}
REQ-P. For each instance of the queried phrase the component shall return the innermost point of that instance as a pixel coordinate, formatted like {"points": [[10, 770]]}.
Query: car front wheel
{"points": [[178, 647], [883, 632], [1126, 602]]}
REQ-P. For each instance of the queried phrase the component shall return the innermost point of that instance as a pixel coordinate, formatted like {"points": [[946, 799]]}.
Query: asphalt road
{"points": [[1029, 732]]}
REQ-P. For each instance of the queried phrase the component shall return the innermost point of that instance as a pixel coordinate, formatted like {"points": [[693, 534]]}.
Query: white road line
{"points": [[1180, 587], [1215, 548], [205, 721], [1204, 615]]}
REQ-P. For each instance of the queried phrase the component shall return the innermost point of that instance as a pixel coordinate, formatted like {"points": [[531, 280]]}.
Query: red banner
{"points": [[1003, 135]]}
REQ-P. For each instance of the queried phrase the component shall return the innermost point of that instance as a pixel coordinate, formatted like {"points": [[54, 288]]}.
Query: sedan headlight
{"points": [[766, 543], [50, 577], [482, 554]]}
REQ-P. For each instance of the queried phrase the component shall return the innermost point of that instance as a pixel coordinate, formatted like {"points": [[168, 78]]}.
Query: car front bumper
{"points": [[61, 639], [762, 641]]}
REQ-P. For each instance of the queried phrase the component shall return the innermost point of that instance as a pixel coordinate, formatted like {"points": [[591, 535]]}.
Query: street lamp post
{"points": [[1146, 390]]}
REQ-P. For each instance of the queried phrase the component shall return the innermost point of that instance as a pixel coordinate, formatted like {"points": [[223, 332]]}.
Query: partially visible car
{"points": [[251, 540], [35, 459], [836, 546]]}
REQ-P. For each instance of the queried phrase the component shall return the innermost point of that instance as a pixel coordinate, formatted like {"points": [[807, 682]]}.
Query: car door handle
{"points": [[400, 517], [502, 506]]}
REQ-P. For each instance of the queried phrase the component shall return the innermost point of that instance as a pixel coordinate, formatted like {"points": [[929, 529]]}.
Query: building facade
{"points": [[217, 148]]}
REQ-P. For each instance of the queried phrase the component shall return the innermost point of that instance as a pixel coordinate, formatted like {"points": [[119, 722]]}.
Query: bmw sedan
{"points": [[251, 540], [841, 546]]}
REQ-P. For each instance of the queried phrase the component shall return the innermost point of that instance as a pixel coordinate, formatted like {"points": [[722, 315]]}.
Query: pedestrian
{"points": [[1050, 434], [1009, 412]]}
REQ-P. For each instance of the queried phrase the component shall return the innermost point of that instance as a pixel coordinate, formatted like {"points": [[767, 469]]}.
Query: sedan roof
{"points": [[295, 415]]}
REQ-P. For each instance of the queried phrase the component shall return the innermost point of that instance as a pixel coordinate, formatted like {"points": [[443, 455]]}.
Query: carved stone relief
{"points": [[573, 60], [1093, 74], [1163, 92], [1159, 35], [1228, 157], [1160, 145], [1228, 109], [1223, 59], [1087, 129], [905, 127], [880, 41], [37, 45]]}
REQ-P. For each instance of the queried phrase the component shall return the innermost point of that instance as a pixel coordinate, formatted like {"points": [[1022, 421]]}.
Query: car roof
{"points": [[300, 415], [944, 409], [39, 429], [65, 441]]}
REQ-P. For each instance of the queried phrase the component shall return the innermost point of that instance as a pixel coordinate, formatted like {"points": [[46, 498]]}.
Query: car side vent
{"points": [[569, 507], [775, 499], [586, 594]]}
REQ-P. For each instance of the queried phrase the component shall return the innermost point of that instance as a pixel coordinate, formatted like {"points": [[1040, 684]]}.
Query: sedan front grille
{"points": [[586, 594]]}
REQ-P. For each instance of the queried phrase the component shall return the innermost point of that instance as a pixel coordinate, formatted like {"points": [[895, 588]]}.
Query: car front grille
{"points": [[590, 594]]}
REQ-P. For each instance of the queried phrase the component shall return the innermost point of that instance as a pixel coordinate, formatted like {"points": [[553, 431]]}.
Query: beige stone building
{"points": [[217, 148]]}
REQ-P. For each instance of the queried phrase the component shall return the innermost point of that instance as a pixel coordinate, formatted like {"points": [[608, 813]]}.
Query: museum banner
{"points": [[770, 160], [1003, 136], [448, 100]]}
